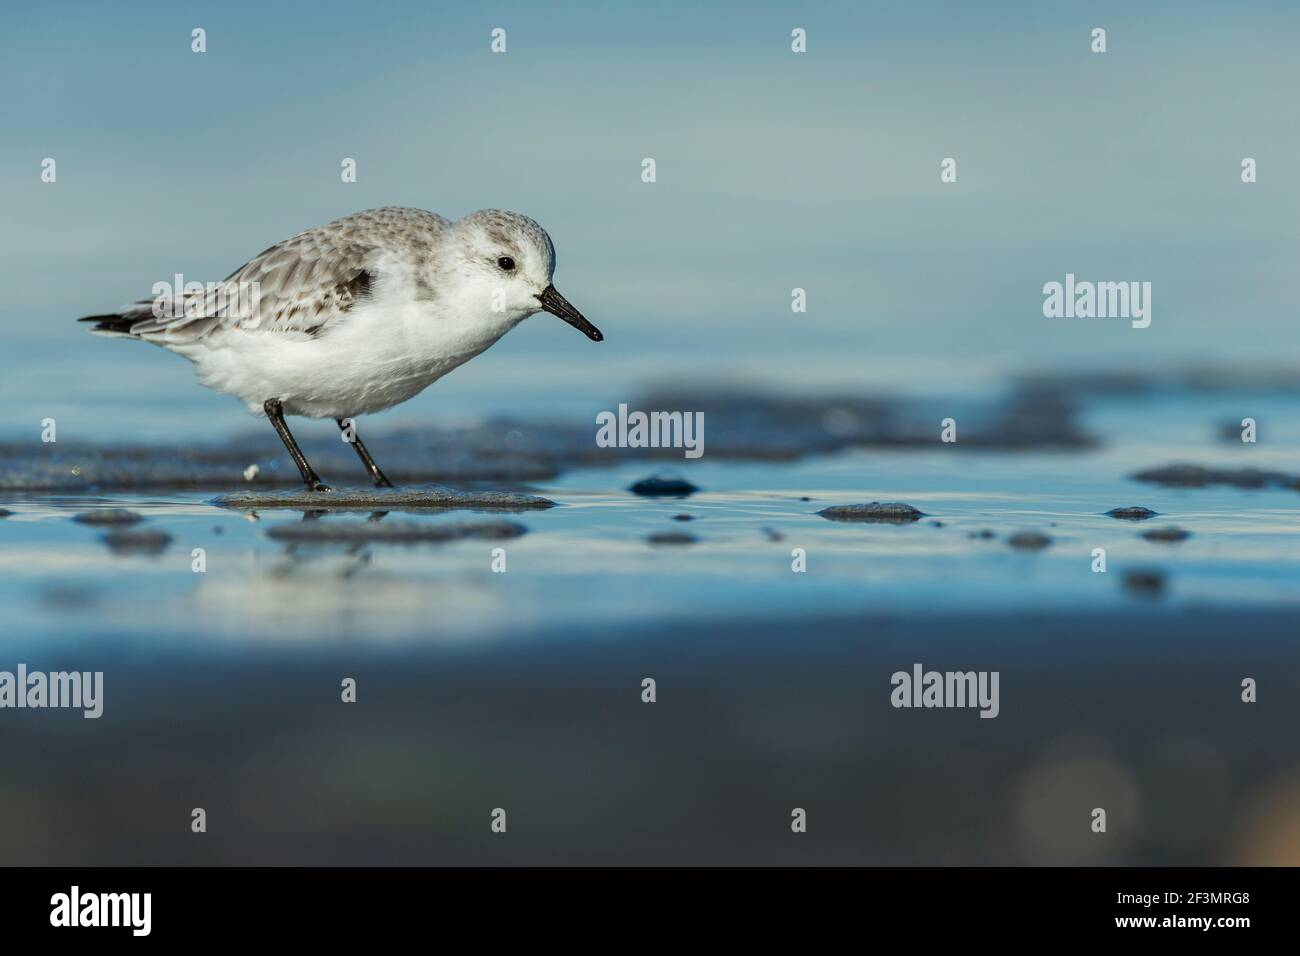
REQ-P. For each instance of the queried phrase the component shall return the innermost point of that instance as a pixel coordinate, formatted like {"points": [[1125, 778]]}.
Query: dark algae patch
{"points": [[395, 532], [751, 425], [663, 486], [124, 542], [1199, 476], [85, 468], [1132, 513], [881, 512], [119, 517], [1029, 541], [1145, 582], [672, 538]]}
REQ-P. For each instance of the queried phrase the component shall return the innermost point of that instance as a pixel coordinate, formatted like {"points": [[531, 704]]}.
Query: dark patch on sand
{"points": [[1029, 541], [33, 467], [1200, 379], [429, 498], [886, 512], [757, 425], [663, 486], [672, 538], [1133, 513], [744, 425], [1145, 581], [108, 516], [396, 532], [683, 517], [1166, 534], [127, 542], [1199, 476]]}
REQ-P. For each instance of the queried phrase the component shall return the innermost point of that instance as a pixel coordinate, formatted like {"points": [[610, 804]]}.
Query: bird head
{"points": [[510, 259]]}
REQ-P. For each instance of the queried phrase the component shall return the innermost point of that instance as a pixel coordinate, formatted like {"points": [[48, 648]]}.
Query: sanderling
{"points": [[357, 315]]}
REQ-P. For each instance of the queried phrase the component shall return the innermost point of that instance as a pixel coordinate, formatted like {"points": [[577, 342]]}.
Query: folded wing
{"points": [[302, 286]]}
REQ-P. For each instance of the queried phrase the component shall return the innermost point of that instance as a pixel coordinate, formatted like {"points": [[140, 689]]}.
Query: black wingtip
{"points": [[113, 322]]}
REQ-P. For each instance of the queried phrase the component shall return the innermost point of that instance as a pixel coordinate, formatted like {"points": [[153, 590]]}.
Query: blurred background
{"points": [[775, 171]]}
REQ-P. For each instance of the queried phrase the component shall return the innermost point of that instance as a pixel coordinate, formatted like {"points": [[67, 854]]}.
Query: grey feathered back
{"points": [[302, 284]]}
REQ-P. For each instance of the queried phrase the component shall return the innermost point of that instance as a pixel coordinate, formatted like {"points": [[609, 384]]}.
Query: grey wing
{"points": [[300, 285]]}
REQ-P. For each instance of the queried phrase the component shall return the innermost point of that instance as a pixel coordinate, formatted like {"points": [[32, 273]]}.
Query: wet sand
{"points": [[523, 689], [743, 426], [1140, 715]]}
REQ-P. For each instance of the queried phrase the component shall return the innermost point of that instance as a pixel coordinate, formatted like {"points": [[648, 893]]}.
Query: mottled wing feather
{"points": [[299, 285], [302, 285]]}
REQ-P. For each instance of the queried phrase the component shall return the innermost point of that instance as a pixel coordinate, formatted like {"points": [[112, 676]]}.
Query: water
{"points": [[588, 561], [522, 689]]}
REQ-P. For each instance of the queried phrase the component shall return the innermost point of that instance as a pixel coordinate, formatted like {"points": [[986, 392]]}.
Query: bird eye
{"points": [[506, 263]]}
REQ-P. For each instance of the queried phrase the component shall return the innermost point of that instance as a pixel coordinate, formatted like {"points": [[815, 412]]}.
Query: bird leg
{"points": [[381, 481], [275, 412]]}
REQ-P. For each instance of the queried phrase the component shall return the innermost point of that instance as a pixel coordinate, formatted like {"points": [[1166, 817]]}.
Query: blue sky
{"points": [[775, 170]]}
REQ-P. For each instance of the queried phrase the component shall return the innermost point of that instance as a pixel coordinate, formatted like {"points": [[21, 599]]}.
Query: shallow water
{"points": [[589, 560], [480, 688]]}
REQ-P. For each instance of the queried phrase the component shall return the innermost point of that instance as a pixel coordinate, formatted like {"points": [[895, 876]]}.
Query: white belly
{"points": [[369, 363]]}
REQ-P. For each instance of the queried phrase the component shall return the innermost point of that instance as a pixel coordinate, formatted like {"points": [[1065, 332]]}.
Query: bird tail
{"points": [[122, 322], [147, 318], [114, 323]]}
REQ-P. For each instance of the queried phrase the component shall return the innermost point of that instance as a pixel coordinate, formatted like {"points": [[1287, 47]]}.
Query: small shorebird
{"points": [[357, 315]]}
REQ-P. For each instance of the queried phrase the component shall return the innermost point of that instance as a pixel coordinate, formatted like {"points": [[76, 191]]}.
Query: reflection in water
{"points": [[132, 542]]}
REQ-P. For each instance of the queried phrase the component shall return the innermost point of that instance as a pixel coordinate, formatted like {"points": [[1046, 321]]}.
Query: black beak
{"points": [[557, 304]]}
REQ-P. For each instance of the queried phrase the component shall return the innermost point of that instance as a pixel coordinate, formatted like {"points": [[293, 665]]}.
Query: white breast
{"points": [[388, 349]]}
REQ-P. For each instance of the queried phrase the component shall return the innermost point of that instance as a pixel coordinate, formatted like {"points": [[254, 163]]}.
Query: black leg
{"points": [[275, 412], [380, 480]]}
